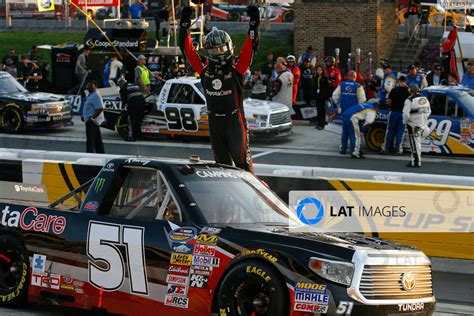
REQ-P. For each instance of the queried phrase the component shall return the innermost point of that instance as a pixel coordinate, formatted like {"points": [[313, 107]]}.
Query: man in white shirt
{"points": [[282, 91]]}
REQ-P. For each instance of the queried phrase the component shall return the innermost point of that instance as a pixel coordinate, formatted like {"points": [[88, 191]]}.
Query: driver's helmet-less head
{"points": [[219, 47]]}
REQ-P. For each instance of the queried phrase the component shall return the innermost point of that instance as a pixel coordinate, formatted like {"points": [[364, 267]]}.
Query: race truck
{"points": [[180, 109], [22, 110], [186, 237], [451, 123]]}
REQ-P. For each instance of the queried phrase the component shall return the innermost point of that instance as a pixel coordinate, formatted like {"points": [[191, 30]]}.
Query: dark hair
{"points": [[310, 47], [93, 82], [402, 78], [86, 48], [453, 74]]}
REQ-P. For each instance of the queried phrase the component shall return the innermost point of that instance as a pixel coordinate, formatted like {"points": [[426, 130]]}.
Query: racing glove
{"points": [[185, 21], [254, 15]]}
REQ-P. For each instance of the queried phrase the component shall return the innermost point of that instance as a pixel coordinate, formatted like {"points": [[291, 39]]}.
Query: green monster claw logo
{"points": [[99, 185]]}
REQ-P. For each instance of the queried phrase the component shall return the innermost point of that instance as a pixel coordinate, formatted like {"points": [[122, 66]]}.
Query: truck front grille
{"points": [[280, 118], [386, 282]]}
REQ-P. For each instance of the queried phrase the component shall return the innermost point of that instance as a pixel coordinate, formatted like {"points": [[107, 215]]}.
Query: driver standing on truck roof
{"points": [[133, 99], [222, 76]]}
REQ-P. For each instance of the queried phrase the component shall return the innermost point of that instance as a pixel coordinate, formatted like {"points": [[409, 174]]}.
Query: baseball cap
{"points": [[290, 58], [141, 57], [414, 88], [306, 59], [412, 66]]}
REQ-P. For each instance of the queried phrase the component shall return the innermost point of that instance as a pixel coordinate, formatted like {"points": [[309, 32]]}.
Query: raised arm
{"points": [[251, 42], [186, 43]]}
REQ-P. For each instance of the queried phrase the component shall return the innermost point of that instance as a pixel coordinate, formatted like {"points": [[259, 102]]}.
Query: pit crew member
{"points": [[388, 83], [132, 97], [364, 112], [291, 61], [332, 73], [222, 77], [349, 93], [414, 77], [416, 111], [282, 90], [396, 128]]}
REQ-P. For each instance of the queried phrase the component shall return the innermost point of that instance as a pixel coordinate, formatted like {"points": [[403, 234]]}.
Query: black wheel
{"points": [[253, 288], [14, 266], [234, 15], [122, 125], [288, 16], [375, 137], [12, 120]]}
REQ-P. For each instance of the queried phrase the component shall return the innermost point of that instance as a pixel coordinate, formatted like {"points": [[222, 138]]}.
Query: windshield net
{"points": [[9, 85], [232, 196]]}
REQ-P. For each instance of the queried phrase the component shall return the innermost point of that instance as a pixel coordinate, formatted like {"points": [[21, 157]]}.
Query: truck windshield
{"points": [[9, 85], [227, 196]]}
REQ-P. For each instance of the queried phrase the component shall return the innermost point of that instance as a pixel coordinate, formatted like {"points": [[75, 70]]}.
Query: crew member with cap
{"points": [[396, 128], [414, 77], [389, 81], [142, 75], [415, 115], [296, 72], [133, 100], [349, 93], [222, 78], [332, 73], [364, 112]]}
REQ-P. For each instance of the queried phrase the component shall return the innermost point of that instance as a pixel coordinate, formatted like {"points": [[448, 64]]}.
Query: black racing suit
{"points": [[132, 97], [224, 90]]}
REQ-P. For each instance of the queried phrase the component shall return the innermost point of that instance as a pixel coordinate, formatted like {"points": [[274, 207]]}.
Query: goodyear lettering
{"points": [[31, 219], [260, 252], [181, 259], [310, 287], [10, 296], [259, 272], [207, 239]]}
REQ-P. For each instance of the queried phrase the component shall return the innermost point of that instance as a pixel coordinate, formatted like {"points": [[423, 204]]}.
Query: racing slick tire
{"points": [[234, 15], [122, 125], [253, 287], [14, 267], [375, 137], [12, 120]]}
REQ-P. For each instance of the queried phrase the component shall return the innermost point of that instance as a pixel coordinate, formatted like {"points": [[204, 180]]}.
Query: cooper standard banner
{"points": [[97, 3], [133, 40]]}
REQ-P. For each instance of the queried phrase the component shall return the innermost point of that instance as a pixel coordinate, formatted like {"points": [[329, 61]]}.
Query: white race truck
{"points": [[180, 109]]}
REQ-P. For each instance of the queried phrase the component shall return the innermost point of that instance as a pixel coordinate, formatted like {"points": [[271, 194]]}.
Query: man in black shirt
{"points": [[396, 128], [132, 97]]}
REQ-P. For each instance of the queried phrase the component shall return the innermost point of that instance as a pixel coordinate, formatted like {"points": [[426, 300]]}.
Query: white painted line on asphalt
{"points": [[266, 153], [450, 160]]}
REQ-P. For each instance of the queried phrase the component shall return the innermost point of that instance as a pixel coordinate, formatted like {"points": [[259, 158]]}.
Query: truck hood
{"points": [[262, 107], [34, 97], [325, 244]]}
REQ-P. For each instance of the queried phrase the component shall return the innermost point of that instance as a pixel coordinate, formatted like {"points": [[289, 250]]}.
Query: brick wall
{"points": [[371, 26]]}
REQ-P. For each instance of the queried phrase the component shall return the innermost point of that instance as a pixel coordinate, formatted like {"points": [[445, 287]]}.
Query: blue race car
{"points": [[451, 123]]}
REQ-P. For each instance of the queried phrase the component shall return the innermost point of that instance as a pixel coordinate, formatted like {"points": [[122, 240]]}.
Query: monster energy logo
{"points": [[99, 185]]}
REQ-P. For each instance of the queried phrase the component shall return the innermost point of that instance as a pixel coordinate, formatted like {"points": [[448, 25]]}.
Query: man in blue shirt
{"points": [[414, 77], [351, 118], [93, 116], [468, 77], [136, 9], [349, 93], [389, 81]]}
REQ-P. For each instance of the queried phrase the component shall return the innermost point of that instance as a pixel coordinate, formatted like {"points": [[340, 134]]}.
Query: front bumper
{"points": [[48, 121], [274, 131]]}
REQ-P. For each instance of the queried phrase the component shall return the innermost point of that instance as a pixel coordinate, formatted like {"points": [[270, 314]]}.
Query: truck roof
{"points": [[162, 162]]}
